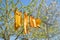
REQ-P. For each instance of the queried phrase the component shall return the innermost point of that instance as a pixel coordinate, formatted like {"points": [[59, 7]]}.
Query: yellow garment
{"points": [[38, 22], [18, 19], [26, 19], [32, 21]]}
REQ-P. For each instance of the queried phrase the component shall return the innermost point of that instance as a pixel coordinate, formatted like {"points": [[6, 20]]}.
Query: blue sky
{"points": [[25, 3]]}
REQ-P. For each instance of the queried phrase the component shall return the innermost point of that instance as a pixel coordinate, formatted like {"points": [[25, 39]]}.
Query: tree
{"points": [[49, 15]]}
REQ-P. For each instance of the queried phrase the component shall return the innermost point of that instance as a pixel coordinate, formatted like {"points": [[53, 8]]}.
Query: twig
{"points": [[18, 35]]}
